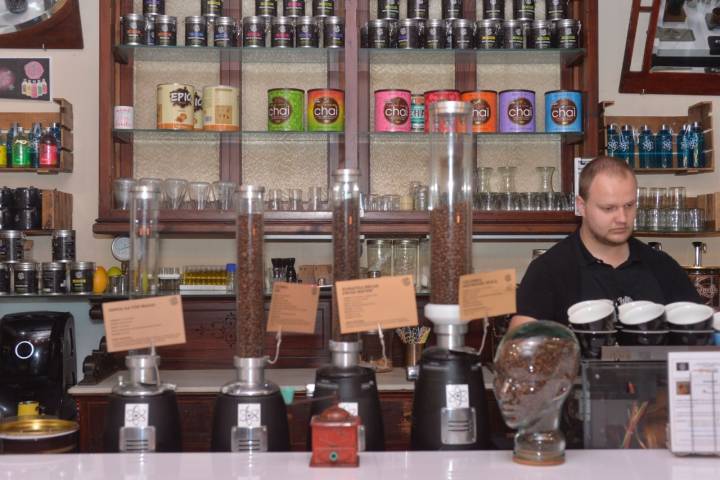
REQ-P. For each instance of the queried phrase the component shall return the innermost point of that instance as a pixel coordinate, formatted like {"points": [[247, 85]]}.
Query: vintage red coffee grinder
{"points": [[336, 436]]}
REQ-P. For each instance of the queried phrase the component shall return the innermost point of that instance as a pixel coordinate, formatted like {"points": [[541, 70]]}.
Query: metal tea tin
{"points": [[81, 277], [524, 9], [282, 32], [11, 246], [133, 29], [27, 197], [195, 31], [452, 9], [221, 106], [435, 35], [150, 30], [285, 110], [388, 9], [53, 278], [25, 278], [540, 35], [211, 7], [392, 110], [494, 9], [293, 8], [224, 32], [378, 34], [417, 113], [513, 34], [325, 110], [364, 36], [307, 33], [153, 7], [484, 105], [266, 8], [449, 32], [323, 8], [63, 246], [567, 33], [5, 275], [556, 9], [334, 32], [175, 106], [165, 30], [463, 34], [254, 32], [418, 9], [488, 34], [198, 122], [516, 111], [409, 34], [434, 96], [27, 219], [563, 111]]}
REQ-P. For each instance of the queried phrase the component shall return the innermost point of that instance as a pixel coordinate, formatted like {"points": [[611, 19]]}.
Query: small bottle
{"points": [[646, 147], [34, 140], [10, 137], [696, 145], [290, 273], [230, 270], [613, 140], [682, 152], [48, 150], [664, 147], [627, 145], [57, 132], [21, 150], [3, 150]]}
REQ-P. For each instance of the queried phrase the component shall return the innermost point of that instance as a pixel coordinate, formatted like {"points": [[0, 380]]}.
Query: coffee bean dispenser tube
{"points": [[344, 381], [449, 409], [250, 414]]}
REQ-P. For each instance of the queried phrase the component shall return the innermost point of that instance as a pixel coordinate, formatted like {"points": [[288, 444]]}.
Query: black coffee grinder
{"points": [[344, 382], [449, 405], [250, 414]]}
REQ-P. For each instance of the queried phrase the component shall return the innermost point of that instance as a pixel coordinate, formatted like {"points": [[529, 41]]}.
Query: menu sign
{"points": [[385, 301], [487, 294], [293, 308]]}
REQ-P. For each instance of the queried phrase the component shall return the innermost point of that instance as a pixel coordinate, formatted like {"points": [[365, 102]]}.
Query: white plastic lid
{"points": [[441, 314], [592, 313], [688, 314], [574, 308], [641, 314]]}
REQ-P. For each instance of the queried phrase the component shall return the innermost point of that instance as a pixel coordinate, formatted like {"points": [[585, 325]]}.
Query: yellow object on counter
{"points": [[100, 281], [3, 155], [28, 409]]}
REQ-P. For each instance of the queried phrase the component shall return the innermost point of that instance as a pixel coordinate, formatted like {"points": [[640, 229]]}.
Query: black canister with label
{"points": [[133, 29], [25, 278], [452, 9], [567, 33], [409, 34], [5, 279], [488, 34], [266, 8], [418, 9], [378, 34], [494, 9], [524, 9], [513, 34], [254, 32], [63, 246], [153, 7], [224, 32], [364, 35], [27, 197], [388, 9], [435, 35], [211, 7], [27, 219], [53, 278], [165, 30], [323, 8], [81, 277], [195, 31], [150, 30], [540, 35], [463, 34], [449, 32], [333, 32], [283, 32], [556, 9], [307, 33], [11, 246], [293, 8]]}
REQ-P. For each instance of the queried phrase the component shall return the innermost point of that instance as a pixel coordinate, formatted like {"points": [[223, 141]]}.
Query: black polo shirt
{"points": [[568, 273]]}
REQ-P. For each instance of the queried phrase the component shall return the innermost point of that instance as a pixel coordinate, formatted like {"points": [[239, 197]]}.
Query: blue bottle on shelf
{"points": [[664, 147], [696, 146], [613, 141], [646, 147], [627, 145], [682, 150]]}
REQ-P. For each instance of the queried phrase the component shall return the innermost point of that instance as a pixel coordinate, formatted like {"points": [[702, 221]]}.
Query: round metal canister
{"points": [[11, 246], [488, 34], [285, 110], [307, 33], [5, 274], [484, 105], [25, 280], [323, 8], [567, 33], [27, 219], [133, 29], [254, 32], [195, 31], [293, 8], [393, 27], [53, 278], [494, 9], [364, 36], [325, 110], [224, 32], [463, 34], [63, 246], [556, 9], [452, 9], [388, 9], [392, 110], [516, 111], [539, 35], [153, 7], [27, 197], [418, 9], [513, 34], [221, 106], [417, 113], [175, 106], [409, 34], [435, 35], [150, 30], [563, 111], [333, 32], [198, 123], [81, 277], [707, 283], [165, 30], [434, 96], [524, 9], [378, 34], [211, 7], [282, 32], [266, 8]]}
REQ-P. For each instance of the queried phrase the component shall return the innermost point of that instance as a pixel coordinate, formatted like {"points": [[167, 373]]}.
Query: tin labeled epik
{"points": [[175, 106], [325, 110], [285, 110]]}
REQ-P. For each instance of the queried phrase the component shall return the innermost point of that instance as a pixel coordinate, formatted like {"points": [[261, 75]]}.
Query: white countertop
{"points": [[580, 464], [210, 381]]}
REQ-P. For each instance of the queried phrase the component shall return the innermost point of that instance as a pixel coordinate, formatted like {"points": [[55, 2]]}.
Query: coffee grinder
{"points": [[449, 404], [344, 382], [250, 414]]}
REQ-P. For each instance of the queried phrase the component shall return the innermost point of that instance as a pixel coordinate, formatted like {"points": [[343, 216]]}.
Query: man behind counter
{"points": [[601, 259]]}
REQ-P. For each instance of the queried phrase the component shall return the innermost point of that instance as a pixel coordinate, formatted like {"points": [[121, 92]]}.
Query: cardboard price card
{"points": [[487, 294], [386, 301], [134, 324], [293, 308]]}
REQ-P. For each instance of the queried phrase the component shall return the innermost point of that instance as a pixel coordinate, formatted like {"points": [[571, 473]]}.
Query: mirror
{"points": [[40, 24], [16, 15]]}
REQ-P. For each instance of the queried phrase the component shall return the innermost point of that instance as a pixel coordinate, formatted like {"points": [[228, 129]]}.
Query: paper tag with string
{"points": [[487, 294], [293, 308]]}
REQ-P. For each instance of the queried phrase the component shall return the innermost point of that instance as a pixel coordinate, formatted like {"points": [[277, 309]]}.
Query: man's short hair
{"points": [[608, 165]]}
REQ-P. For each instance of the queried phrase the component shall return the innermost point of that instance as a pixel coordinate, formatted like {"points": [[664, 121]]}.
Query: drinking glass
{"points": [[652, 219], [643, 197], [695, 219], [657, 197], [315, 199], [295, 201], [507, 179], [224, 192], [199, 194], [546, 174], [676, 197], [422, 198], [275, 199], [675, 219], [121, 192], [156, 184], [640, 224], [175, 189], [483, 175]]}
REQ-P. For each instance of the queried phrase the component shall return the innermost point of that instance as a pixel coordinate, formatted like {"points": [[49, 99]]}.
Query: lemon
{"points": [[114, 272], [100, 280]]}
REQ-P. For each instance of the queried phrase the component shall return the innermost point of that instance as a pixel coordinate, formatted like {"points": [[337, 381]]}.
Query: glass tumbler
{"points": [[315, 199], [175, 189], [155, 183], [122, 187], [695, 219], [295, 200], [224, 193], [275, 199], [657, 197], [643, 197], [199, 194], [676, 197]]}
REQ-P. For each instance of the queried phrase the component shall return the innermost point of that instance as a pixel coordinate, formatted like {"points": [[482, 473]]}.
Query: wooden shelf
{"points": [[703, 234], [674, 171]]}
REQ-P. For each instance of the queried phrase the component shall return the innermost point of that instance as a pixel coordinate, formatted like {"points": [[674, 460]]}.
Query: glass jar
{"points": [[405, 258], [379, 256], [346, 236], [249, 279], [451, 186], [144, 241]]}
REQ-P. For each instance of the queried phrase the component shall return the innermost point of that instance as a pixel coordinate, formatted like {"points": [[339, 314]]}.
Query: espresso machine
{"points": [[37, 362], [250, 413], [344, 382], [449, 404]]}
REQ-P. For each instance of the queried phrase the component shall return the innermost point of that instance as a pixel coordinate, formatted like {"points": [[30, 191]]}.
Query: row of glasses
{"points": [[178, 193], [525, 201], [670, 220], [291, 200], [661, 197]]}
